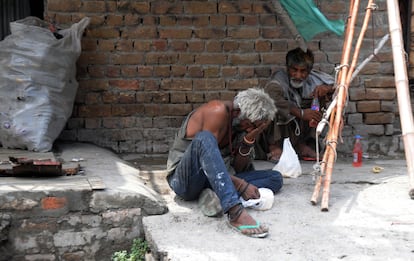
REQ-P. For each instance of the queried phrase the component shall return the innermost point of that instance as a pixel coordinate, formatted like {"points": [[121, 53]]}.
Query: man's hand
{"points": [[253, 133], [322, 90], [252, 192], [309, 114]]}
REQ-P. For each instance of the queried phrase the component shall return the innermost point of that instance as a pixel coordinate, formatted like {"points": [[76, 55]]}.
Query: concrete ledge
{"points": [[87, 216]]}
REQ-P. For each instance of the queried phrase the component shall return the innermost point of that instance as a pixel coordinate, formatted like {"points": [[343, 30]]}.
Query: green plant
{"points": [[138, 250]]}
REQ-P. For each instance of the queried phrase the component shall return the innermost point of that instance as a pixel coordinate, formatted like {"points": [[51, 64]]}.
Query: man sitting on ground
{"points": [[212, 133], [293, 91]]}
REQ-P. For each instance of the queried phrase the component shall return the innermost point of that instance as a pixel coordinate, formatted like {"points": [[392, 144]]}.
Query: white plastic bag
{"points": [[288, 165], [37, 83]]}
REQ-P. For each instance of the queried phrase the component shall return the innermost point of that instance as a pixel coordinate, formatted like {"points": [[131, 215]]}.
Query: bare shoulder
{"points": [[211, 116]]}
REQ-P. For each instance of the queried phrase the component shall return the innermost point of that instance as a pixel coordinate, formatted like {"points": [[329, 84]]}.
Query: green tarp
{"points": [[309, 21]]}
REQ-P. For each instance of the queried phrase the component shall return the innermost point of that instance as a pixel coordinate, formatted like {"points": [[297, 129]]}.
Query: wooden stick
{"points": [[342, 96], [403, 94]]}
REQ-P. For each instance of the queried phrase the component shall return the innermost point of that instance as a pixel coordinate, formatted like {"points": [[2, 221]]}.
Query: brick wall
{"points": [[146, 64]]}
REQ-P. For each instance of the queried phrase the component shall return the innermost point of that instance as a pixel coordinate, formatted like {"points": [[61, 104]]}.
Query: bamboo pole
{"points": [[341, 103], [342, 94], [401, 83], [325, 178]]}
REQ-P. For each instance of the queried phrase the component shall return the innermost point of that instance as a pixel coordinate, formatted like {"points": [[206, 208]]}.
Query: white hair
{"points": [[255, 104]]}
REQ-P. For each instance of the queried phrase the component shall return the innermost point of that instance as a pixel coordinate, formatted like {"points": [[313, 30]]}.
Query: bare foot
{"points": [[306, 151], [245, 224]]}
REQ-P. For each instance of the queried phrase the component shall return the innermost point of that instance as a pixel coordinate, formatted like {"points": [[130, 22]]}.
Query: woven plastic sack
{"points": [[37, 82]]}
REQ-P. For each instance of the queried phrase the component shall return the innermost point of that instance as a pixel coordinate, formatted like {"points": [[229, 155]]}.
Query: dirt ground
{"points": [[370, 217]]}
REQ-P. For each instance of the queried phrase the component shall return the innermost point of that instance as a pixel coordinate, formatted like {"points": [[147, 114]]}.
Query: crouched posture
{"points": [[293, 90], [220, 131]]}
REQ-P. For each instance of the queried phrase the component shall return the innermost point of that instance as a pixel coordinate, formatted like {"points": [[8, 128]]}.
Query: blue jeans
{"points": [[202, 166]]}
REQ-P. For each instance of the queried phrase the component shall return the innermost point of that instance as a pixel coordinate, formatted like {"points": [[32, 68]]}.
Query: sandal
{"points": [[255, 231]]}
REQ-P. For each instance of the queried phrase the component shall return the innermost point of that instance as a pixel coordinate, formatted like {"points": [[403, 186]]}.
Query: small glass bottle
{"points": [[314, 107], [357, 152]]}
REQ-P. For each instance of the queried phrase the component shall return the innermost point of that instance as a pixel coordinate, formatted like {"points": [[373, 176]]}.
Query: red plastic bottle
{"points": [[357, 152]]}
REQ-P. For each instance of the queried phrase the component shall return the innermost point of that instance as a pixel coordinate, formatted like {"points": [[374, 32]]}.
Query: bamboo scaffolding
{"points": [[401, 83], [336, 117], [345, 77]]}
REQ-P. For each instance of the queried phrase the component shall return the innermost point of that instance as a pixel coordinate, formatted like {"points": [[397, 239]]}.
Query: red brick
{"points": [[217, 20], [124, 45], [380, 81], [91, 111], [64, 5], [161, 97], [244, 59], [112, 71], [164, 7], [201, 21], [125, 84], [368, 106], [129, 71], [268, 20], [209, 33], [96, 71], [228, 7], [244, 33], [251, 20], [168, 20], [179, 46], [145, 71], [93, 58], [104, 32], [196, 46], [109, 97], [263, 46], [186, 58], [162, 71], [176, 84], [242, 84], [195, 71], [199, 7], [178, 70], [142, 45], [131, 58], [94, 85], [214, 46], [211, 59], [173, 33], [229, 46], [93, 7], [49, 203], [126, 97], [228, 71], [131, 19], [63, 18], [140, 7], [106, 45], [380, 94], [209, 84], [178, 97], [145, 32], [233, 20], [127, 109], [114, 20], [159, 45], [379, 118]]}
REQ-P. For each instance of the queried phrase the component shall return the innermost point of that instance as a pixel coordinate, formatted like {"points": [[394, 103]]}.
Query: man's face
{"points": [[297, 75]]}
